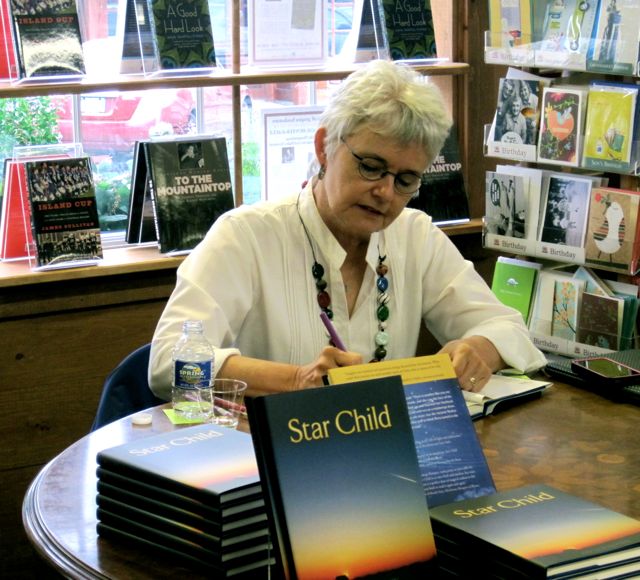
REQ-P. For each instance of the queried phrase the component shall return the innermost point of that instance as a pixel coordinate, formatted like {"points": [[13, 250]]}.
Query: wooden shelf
{"points": [[248, 77]]}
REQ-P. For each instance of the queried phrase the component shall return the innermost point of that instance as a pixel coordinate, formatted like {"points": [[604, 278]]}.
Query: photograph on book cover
{"points": [[565, 210], [612, 228], [288, 147], [300, 37], [506, 204]]}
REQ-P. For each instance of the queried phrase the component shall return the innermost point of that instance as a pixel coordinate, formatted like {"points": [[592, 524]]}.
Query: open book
{"points": [[501, 389]]}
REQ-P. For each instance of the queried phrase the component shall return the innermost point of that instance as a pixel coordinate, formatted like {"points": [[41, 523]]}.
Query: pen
{"points": [[335, 339]]}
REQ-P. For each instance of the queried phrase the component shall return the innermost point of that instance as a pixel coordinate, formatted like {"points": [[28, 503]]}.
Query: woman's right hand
{"points": [[331, 357]]}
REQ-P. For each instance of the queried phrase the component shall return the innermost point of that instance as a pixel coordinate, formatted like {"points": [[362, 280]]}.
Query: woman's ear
{"points": [[318, 142]]}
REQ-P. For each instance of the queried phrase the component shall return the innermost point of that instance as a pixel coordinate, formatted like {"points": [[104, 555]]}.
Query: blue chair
{"points": [[126, 389]]}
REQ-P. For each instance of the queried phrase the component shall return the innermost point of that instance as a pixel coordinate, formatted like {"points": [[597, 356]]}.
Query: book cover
{"points": [[612, 231], [16, 236], [513, 283], [452, 463], [560, 139], [190, 186], [64, 213], [409, 29], [537, 531], [8, 68], [444, 180], [140, 220], [600, 321], [609, 127], [135, 37], [341, 476], [183, 34], [565, 207], [210, 464], [567, 295], [614, 44], [506, 204], [48, 39]]}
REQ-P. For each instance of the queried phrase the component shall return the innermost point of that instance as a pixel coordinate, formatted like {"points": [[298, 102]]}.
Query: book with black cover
{"points": [[341, 477], [48, 39], [183, 34], [190, 185], [64, 212], [213, 465], [141, 225], [536, 531], [442, 193], [408, 27]]}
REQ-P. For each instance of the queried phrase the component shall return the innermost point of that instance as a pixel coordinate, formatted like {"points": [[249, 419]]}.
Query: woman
{"points": [[345, 244]]}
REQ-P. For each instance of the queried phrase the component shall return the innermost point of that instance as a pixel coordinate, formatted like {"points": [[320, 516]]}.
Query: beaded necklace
{"points": [[323, 298]]}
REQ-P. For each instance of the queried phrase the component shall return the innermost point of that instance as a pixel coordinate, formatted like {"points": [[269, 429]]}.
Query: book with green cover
{"points": [[535, 531], [183, 34], [341, 477], [408, 28], [190, 184], [514, 283]]}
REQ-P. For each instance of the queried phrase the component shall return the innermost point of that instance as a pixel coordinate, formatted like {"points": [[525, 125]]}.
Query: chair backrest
{"points": [[126, 389]]}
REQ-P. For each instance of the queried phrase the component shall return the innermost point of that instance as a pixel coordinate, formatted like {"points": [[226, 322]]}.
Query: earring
{"points": [[322, 172]]}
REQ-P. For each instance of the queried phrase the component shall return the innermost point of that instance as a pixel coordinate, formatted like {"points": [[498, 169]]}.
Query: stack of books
{"points": [[194, 493], [535, 531]]}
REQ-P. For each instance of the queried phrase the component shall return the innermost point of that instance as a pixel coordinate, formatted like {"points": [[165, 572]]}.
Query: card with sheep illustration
{"points": [[612, 240]]}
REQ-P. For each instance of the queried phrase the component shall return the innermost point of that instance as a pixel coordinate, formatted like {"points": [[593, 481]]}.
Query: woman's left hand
{"points": [[474, 360]]}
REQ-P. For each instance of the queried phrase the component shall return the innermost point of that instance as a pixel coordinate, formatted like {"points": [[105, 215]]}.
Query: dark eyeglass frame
{"points": [[397, 177]]}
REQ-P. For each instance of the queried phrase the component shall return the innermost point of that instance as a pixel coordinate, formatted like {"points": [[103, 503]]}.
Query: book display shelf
{"points": [[565, 136]]}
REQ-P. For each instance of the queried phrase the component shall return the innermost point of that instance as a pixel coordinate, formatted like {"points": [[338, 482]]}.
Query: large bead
{"points": [[382, 284], [382, 270], [324, 300], [317, 270], [382, 338], [380, 353], [321, 284], [383, 297], [382, 312]]}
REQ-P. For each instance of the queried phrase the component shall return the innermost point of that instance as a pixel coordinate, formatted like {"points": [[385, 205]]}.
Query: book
{"points": [[341, 477], [565, 207], [614, 44], [536, 531], [561, 125], [610, 127], [141, 227], [48, 39], [190, 186], [64, 213], [8, 68], [502, 391], [600, 320], [613, 237], [16, 236], [444, 180], [514, 282], [506, 204], [183, 34], [203, 462], [135, 37], [408, 29], [452, 463], [567, 295]]}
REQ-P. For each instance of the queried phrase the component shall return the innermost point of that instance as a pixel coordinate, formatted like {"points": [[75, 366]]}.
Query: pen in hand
{"points": [[335, 339]]}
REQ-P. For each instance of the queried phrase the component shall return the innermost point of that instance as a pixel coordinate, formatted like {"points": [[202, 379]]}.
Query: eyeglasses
{"points": [[372, 169]]}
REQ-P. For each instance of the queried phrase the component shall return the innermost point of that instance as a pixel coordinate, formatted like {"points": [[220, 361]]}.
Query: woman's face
{"points": [[352, 207]]}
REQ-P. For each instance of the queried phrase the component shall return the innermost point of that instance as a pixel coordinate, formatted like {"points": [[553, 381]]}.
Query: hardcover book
{"points": [[610, 127], [514, 282], [183, 34], [561, 121], [536, 531], [600, 321], [442, 193], [408, 29], [614, 44], [452, 463], [8, 56], [16, 236], [205, 463], [64, 213], [613, 237], [48, 39], [141, 226], [190, 185], [341, 476]]}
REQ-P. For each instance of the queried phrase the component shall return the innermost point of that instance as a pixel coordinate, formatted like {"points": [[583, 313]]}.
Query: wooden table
{"points": [[572, 439]]}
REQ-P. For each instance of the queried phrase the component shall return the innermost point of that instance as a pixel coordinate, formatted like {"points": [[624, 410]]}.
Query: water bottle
{"points": [[192, 370]]}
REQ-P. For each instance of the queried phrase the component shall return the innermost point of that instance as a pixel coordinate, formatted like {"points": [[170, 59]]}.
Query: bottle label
{"points": [[189, 375]]}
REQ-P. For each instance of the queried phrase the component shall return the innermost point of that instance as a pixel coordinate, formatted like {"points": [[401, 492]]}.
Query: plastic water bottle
{"points": [[192, 370]]}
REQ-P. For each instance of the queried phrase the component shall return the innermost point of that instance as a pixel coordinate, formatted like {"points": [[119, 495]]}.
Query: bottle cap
{"points": [[142, 419]]}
